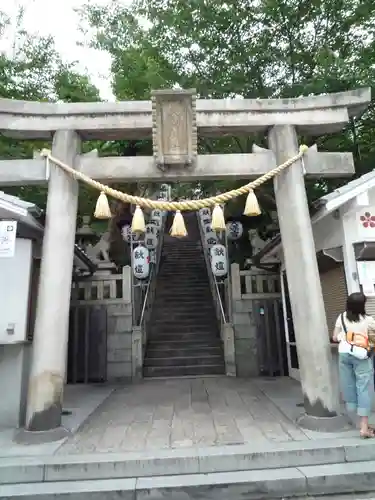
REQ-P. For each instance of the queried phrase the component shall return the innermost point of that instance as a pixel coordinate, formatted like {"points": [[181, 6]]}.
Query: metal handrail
{"points": [[154, 269], [220, 301], [211, 275]]}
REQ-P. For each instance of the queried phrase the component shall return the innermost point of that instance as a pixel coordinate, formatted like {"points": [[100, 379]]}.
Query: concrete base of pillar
{"points": [[335, 423], [40, 437]]}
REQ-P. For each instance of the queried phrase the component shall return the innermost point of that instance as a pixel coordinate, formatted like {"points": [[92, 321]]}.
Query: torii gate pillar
{"points": [[47, 377], [309, 317]]}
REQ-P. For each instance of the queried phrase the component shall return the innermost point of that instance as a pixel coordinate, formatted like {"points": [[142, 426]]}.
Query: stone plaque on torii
{"points": [[175, 159]]}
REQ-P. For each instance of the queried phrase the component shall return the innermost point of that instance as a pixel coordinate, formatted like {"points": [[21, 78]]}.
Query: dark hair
{"points": [[355, 306]]}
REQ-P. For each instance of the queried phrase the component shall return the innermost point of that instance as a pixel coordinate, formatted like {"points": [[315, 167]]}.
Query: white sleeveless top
{"points": [[360, 326]]}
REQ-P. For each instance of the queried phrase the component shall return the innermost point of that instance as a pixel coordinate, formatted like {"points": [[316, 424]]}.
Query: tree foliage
{"points": [[237, 48], [246, 48]]}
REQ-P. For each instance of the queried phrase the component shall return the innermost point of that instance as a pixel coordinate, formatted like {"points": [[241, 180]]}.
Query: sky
{"points": [[57, 18]]}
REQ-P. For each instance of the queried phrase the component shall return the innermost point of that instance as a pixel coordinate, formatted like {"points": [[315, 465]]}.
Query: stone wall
{"points": [[119, 342], [245, 335], [114, 293], [247, 289]]}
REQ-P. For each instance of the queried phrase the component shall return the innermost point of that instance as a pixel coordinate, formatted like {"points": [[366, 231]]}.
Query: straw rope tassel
{"points": [[178, 228], [138, 221], [252, 206], [218, 219], [102, 210]]}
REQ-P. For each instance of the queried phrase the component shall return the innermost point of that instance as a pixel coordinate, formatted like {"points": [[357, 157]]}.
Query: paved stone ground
{"points": [[201, 412]]}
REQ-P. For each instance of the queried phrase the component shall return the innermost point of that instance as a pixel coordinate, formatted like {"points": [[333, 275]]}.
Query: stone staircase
{"points": [[183, 337], [298, 471]]}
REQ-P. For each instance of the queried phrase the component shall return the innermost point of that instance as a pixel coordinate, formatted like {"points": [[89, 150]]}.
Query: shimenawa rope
{"points": [[103, 211]]}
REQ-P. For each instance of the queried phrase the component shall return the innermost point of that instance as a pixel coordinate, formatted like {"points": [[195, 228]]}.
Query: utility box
{"points": [[15, 276], [15, 349]]}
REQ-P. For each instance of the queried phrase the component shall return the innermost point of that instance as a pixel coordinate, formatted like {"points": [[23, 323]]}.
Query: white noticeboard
{"points": [[8, 231], [366, 275]]}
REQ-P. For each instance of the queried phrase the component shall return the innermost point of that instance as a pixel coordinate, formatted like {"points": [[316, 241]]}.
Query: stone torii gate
{"points": [[173, 119]]}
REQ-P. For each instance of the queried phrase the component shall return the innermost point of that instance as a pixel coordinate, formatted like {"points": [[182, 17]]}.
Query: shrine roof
{"points": [[26, 214], [325, 205]]}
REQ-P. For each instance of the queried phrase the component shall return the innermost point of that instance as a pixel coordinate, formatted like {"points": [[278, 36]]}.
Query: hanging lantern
{"points": [[151, 236], [234, 230], [141, 262], [219, 261], [210, 238], [207, 228], [127, 235], [204, 212], [206, 221]]}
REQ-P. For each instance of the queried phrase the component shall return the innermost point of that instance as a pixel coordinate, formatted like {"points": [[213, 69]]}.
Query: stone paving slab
{"points": [[79, 402], [184, 413]]}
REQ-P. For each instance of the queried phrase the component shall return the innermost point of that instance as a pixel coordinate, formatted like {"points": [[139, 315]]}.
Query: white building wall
{"points": [[361, 218], [328, 232], [15, 275]]}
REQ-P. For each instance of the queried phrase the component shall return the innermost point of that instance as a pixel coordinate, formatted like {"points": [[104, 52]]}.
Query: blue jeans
{"points": [[356, 379]]}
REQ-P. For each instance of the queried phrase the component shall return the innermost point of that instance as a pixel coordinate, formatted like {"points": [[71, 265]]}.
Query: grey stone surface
{"points": [[224, 486], [340, 478], [242, 318], [242, 306], [26, 437], [306, 482], [309, 317], [133, 119], [112, 489], [245, 339], [160, 414], [119, 343], [357, 452], [30, 470], [330, 424], [169, 462], [14, 368], [51, 329], [83, 467]]}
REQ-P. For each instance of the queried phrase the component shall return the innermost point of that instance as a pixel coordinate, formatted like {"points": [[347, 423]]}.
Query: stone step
{"points": [[199, 360], [183, 371], [181, 282], [325, 456], [187, 252], [185, 316], [185, 295], [185, 351], [171, 327], [280, 483], [186, 275], [187, 330], [183, 306], [162, 315], [184, 322], [190, 338], [182, 290], [199, 343]]}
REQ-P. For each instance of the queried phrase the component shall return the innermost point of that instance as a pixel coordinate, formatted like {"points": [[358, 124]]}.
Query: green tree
{"points": [[34, 71], [266, 49]]}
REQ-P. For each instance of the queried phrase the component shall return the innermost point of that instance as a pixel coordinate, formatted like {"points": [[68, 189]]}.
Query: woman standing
{"points": [[355, 359]]}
